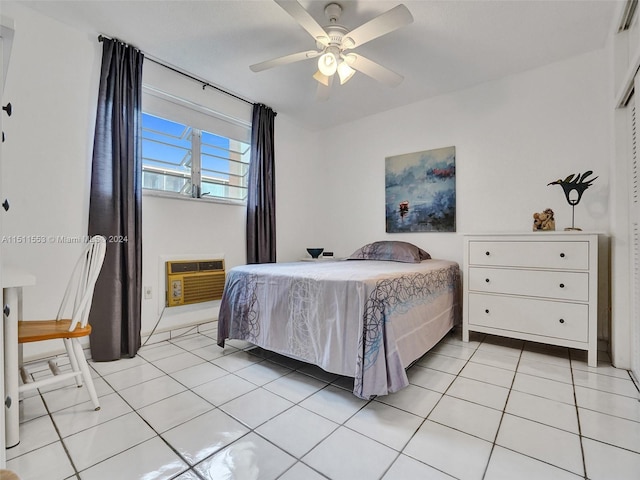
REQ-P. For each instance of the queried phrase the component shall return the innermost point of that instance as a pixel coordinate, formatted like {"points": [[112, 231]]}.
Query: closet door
{"points": [[6, 41], [2, 424], [634, 227]]}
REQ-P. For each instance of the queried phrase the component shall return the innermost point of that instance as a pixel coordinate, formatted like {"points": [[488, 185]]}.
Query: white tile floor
{"points": [[185, 409]]}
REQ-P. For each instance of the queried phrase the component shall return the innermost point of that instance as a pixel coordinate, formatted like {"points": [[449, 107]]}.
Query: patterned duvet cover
{"points": [[366, 319]]}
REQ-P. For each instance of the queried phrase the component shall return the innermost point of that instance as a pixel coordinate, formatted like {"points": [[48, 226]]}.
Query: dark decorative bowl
{"points": [[315, 252]]}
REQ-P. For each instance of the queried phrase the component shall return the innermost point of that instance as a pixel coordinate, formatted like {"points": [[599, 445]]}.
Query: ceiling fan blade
{"points": [[374, 70], [322, 93], [324, 86], [387, 22], [321, 78], [305, 20], [276, 62]]}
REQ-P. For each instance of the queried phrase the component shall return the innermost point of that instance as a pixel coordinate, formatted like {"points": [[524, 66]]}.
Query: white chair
{"points": [[78, 296]]}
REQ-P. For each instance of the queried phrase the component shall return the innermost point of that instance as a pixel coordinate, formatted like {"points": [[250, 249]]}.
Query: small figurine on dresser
{"points": [[544, 221]]}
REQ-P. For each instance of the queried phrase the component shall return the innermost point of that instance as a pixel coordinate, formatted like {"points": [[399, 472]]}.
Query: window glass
{"points": [[185, 160]]}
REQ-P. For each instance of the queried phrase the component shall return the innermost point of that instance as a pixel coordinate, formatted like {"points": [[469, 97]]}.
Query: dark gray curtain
{"points": [[261, 196], [115, 203]]}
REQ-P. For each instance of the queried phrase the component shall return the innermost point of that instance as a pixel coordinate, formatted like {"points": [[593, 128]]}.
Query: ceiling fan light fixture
{"points": [[345, 72], [322, 78], [334, 40], [349, 58], [327, 64]]}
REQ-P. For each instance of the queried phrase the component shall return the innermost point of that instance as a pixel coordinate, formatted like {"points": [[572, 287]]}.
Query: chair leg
{"points": [[72, 359], [86, 372]]}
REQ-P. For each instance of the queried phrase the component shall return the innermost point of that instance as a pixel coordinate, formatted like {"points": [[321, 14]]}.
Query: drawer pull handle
{"points": [[486, 280], [562, 320], [487, 253], [562, 255], [486, 311], [562, 285]]}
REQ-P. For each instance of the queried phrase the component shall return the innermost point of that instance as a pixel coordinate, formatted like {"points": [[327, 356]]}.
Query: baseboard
{"points": [[175, 332]]}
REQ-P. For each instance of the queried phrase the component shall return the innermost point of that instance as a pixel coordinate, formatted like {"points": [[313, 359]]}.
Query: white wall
{"points": [[175, 228], [512, 137], [53, 85], [300, 190]]}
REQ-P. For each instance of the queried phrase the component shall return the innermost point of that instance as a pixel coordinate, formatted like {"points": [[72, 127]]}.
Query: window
{"points": [[189, 150]]}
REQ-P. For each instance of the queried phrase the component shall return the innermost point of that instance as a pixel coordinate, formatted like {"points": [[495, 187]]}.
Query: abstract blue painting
{"points": [[420, 191]]}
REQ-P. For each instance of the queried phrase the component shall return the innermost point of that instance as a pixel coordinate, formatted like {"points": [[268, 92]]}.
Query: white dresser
{"points": [[541, 287]]}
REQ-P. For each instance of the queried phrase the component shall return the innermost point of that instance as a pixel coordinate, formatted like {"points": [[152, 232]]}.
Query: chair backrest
{"points": [[82, 282]]}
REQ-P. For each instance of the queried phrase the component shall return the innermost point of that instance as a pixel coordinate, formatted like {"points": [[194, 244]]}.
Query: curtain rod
{"points": [[204, 84]]}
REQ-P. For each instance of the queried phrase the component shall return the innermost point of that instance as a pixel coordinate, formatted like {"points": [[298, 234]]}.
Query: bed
{"points": [[366, 317]]}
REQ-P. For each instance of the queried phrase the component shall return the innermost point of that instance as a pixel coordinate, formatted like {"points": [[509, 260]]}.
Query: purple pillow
{"points": [[390, 250]]}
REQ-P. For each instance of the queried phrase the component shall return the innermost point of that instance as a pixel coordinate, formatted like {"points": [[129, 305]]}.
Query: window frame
{"points": [[195, 116]]}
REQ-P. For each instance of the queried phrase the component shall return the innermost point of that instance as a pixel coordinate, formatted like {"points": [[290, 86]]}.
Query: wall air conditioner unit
{"points": [[194, 281]]}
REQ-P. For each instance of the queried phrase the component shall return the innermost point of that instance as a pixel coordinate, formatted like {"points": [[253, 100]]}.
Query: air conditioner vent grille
{"points": [[194, 281], [203, 288]]}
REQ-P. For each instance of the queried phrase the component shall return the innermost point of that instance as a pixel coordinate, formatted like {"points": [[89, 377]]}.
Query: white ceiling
{"points": [[450, 45]]}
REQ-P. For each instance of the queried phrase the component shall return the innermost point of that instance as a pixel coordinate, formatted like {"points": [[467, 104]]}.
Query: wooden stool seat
{"points": [[8, 475], [39, 330]]}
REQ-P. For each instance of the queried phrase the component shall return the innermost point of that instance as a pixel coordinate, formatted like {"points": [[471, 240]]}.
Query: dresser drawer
{"points": [[571, 255], [534, 283], [568, 321]]}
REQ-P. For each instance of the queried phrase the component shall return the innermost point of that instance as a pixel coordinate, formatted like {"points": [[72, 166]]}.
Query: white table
{"points": [[13, 279]]}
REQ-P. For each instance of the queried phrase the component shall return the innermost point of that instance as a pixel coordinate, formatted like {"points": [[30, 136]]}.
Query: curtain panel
{"points": [[261, 200], [115, 203]]}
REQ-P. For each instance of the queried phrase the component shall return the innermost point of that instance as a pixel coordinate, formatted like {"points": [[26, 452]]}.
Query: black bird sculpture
{"points": [[578, 183]]}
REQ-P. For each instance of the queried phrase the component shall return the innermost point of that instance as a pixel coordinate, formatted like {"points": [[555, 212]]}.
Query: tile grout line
{"points": [[257, 387], [575, 399], [636, 383], [430, 411], [190, 468], [601, 413], [62, 443], [539, 423], [216, 407], [134, 410], [294, 404], [504, 411], [327, 383], [253, 430]]}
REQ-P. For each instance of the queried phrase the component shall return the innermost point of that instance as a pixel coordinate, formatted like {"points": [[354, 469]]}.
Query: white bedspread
{"points": [[361, 318]]}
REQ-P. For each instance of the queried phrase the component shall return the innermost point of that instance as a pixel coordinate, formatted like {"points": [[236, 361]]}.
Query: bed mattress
{"points": [[366, 319]]}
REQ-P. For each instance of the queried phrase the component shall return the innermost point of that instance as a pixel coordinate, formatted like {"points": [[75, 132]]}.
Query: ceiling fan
{"points": [[334, 45]]}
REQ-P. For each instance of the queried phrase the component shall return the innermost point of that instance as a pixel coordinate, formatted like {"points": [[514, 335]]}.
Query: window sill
{"points": [[176, 196]]}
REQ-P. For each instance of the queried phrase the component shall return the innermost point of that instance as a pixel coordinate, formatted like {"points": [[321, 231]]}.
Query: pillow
{"points": [[390, 250]]}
